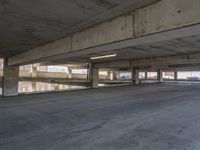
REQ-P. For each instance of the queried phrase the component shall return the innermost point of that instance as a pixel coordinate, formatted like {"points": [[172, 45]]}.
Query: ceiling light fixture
{"points": [[103, 56]]}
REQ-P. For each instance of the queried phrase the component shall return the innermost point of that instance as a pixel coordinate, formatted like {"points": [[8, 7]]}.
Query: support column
{"points": [[108, 75], [115, 73], [93, 76], [34, 71], [34, 75], [160, 75], [70, 73], [34, 86], [111, 75], [175, 75], [10, 79], [146, 75], [135, 76]]}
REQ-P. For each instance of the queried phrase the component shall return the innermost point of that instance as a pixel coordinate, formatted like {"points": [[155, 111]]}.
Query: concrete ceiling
{"points": [[186, 45], [26, 24]]}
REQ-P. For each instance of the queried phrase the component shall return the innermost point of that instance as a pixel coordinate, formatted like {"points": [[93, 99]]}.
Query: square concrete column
{"points": [[69, 73], [175, 75], [146, 75], [115, 73], [10, 80], [34, 71], [33, 86], [33, 75], [109, 75], [93, 76], [160, 75], [135, 76]]}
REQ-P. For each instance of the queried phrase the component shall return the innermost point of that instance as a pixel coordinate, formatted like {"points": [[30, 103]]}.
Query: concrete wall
{"points": [[41, 74], [57, 75], [25, 74], [79, 76], [51, 75]]}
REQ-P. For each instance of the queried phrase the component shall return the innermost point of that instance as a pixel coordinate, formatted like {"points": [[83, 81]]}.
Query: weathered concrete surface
{"points": [[166, 15], [10, 80], [144, 26], [167, 62], [135, 76], [120, 28], [95, 77], [160, 75], [28, 24], [145, 117], [78, 82]]}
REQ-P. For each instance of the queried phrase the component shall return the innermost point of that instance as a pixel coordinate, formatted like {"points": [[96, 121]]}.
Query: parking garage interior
{"points": [[99, 75]]}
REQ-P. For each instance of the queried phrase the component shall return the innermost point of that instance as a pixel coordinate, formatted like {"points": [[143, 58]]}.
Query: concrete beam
{"points": [[166, 15], [146, 25], [167, 62], [41, 53], [117, 29]]}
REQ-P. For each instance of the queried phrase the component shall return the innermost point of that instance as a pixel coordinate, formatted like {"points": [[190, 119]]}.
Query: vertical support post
{"points": [[115, 73], [111, 75], [70, 73], [135, 76], [33, 86], [90, 70], [146, 75], [34, 71], [93, 76], [34, 75], [160, 75], [10, 79], [108, 75], [95, 80], [175, 75]]}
